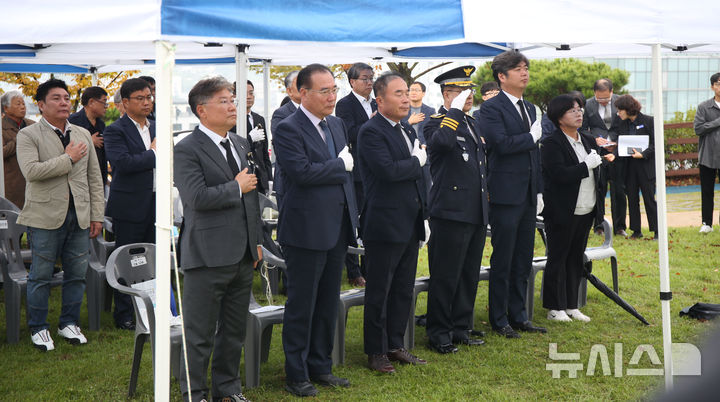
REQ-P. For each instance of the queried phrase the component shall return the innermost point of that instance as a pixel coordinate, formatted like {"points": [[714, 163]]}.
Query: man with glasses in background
{"points": [[90, 117], [130, 149], [355, 109], [600, 119], [317, 222]]}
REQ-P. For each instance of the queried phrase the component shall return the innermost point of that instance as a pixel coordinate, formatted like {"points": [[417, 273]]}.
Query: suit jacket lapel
{"points": [[241, 151], [312, 133], [566, 145], [134, 134], [152, 131], [395, 137], [212, 151], [511, 109]]}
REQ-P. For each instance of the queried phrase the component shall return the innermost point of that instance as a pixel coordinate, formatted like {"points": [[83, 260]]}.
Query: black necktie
{"points": [[404, 136], [230, 158], [65, 139], [524, 114], [328, 138]]}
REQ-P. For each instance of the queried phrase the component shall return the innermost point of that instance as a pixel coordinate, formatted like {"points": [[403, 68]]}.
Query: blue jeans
{"points": [[71, 244]]}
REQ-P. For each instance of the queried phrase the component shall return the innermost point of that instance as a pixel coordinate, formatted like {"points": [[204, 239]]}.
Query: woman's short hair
{"points": [[558, 106], [629, 104]]}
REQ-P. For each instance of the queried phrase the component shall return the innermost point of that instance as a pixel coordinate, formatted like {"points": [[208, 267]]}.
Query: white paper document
{"points": [[626, 144]]}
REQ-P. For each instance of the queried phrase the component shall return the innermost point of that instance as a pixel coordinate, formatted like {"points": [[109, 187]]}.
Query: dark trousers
{"points": [[313, 290], [707, 191], [355, 264], [455, 253], [513, 240], [564, 269], [618, 203], [127, 232], [636, 181], [604, 180], [388, 293], [215, 309]]}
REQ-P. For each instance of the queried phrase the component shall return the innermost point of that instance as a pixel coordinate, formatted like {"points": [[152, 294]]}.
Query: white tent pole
{"points": [[241, 89], [164, 63], [665, 294], [266, 97]]}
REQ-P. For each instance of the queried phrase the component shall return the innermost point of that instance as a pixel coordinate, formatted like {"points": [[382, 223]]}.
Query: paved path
{"points": [[683, 209]]}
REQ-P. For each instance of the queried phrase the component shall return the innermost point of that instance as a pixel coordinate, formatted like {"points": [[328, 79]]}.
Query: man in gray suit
{"points": [[219, 241], [601, 121]]}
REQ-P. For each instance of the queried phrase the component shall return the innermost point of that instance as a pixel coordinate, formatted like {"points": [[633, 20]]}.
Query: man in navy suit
{"points": [[355, 109], [317, 222], [279, 115], [458, 213], [511, 129], [392, 222], [130, 149]]}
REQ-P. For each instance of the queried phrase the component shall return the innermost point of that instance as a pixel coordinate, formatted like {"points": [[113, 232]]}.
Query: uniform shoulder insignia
{"points": [[437, 116]]}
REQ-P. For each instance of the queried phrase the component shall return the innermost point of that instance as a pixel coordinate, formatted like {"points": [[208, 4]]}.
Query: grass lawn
{"points": [[501, 370]]}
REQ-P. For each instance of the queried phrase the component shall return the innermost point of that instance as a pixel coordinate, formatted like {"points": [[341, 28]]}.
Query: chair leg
{"points": [[530, 294], [13, 300], [265, 343], [93, 301], [338, 352], [613, 263], [140, 340], [252, 352], [409, 339]]}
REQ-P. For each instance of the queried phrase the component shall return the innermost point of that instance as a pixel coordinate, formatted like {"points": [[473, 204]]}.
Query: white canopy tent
{"points": [[109, 34]]}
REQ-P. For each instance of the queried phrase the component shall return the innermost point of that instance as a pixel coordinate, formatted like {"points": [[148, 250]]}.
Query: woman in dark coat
{"points": [[640, 167], [570, 163]]}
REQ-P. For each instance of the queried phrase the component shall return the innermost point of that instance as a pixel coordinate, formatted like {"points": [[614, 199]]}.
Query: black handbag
{"points": [[702, 311]]}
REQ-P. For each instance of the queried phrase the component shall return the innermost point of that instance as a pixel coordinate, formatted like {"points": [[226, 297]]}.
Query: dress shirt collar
{"points": [[392, 123], [361, 99], [147, 123], [512, 98], [67, 126], [313, 119], [297, 105], [572, 140], [215, 137]]}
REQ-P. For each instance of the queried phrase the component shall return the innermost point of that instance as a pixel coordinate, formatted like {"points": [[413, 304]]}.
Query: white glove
{"points": [[540, 203], [459, 101], [536, 130], [427, 234], [593, 160], [419, 153], [257, 134], [346, 158]]}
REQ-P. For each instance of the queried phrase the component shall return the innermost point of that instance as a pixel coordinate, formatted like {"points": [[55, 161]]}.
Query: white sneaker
{"points": [[72, 334], [42, 340], [706, 228], [575, 314], [558, 315]]}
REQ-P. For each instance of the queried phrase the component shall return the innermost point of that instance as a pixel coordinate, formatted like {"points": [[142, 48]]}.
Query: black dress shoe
{"points": [[599, 231], [636, 235], [380, 363], [470, 341], [232, 398], [127, 325], [475, 332], [304, 388], [443, 349], [507, 332], [330, 380], [403, 356], [527, 326], [621, 232]]}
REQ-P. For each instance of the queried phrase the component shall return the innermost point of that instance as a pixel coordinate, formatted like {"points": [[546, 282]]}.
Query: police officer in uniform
{"points": [[458, 213]]}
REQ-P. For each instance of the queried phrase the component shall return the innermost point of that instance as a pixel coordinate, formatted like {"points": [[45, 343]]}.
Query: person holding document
{"points": [[640, 172]]}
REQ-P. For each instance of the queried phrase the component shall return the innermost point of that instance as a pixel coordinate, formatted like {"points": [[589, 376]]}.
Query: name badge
{"points": [[639, 127], [465, 156], [460, 138]]}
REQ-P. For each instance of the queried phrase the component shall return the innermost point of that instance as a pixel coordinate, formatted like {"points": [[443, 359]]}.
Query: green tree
{"points": [[278, 73], [550, 78]]}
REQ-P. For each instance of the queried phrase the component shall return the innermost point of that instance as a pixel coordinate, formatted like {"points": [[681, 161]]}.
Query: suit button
{"points": [[416, 200], [454, 188]]}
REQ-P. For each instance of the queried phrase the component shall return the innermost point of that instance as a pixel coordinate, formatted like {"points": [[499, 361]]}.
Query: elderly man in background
{"points": [[64, 206], [13, 109]]}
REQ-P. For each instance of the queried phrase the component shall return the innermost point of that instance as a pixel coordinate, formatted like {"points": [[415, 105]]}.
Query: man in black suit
{"points": [[279, 115], [392, 222], [458, 213], [601, 121], [514, 181], [256, 136], [130, 149], [355, 109], [317, 222], [220, 241], [95, 103]]}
